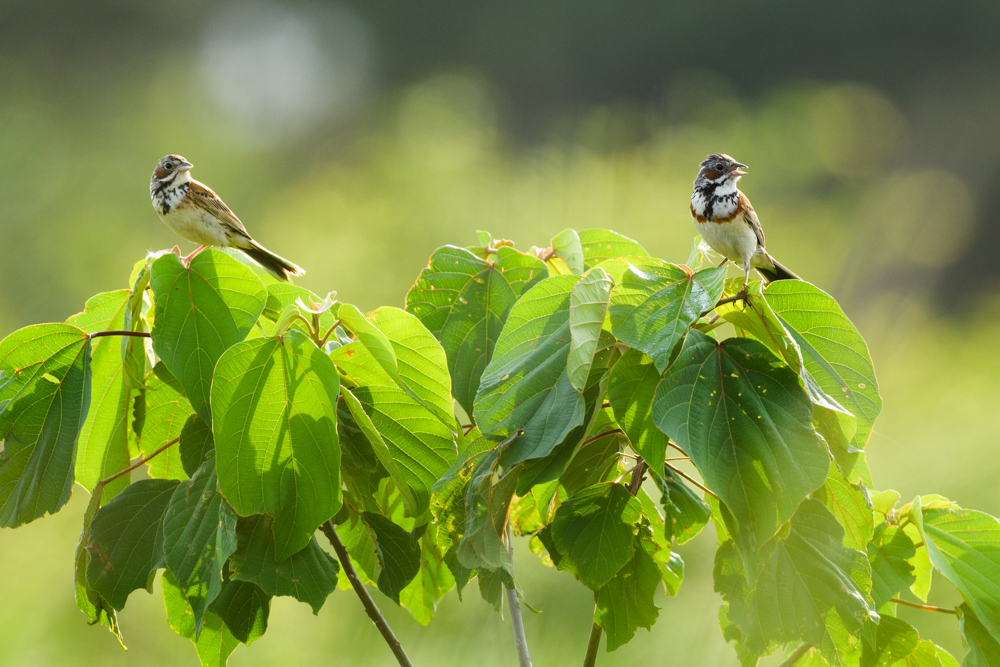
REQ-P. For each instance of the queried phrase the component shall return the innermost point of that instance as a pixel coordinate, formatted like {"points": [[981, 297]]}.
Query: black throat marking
{"points": [[161, 191], [708, 193]]}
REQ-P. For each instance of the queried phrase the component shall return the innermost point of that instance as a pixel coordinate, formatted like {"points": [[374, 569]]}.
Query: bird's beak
{"points": [[738, 169], [184, 166]]}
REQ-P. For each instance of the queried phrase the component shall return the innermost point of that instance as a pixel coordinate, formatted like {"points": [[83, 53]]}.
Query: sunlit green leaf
{"points": [[889, 553], [464, 301], [656, 303], [214, 643], [630, 390], [894, 641], [984, 647], [124, 546], [745, 421], [44, 400], [567, 245], [852, 507], [433, 581], [166, 409], [201, 311], [276, 435], [599, 245], [588, 304], [309, 575]]}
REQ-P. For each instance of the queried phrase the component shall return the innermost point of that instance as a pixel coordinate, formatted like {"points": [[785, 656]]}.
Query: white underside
{"points": [[196, 225], [734, 240]]}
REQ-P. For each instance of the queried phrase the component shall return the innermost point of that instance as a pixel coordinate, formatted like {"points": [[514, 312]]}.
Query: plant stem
{"points": [[795, 657], [601, 435], [516, 621], [693, 481], [925, 607], [132, 467], [366, 599], [594, 643], [673, 444], [120, 332]]}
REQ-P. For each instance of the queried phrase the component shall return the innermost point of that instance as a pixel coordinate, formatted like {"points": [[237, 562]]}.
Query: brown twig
{"points": [[366, 599], [796, 656], [120, 332], [601, 435], [132, 467], [671, 443], [693, 481], [925, 607]]}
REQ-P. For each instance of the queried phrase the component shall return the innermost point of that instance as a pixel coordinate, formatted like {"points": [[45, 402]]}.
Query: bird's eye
{"points": [[719, 166], [168, 165]]}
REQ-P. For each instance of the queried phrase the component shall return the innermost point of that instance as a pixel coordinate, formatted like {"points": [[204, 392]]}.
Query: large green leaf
{"points": [[526, 387], [630, 390], [894, 640], [398, 553], [746, 423], [199, 536], [835, 354], [889, 554], [103, 445], [211, 638], [309, 575], [124, 540], [599, 245], [244, 607], [656, 303], [984, 647], [588, 305], [276, 435], [421, 445], [165, 410], [433, 581], [44, 399], [201, 311], [625, 603], [593, 532], [464, 301], [964, 546]]}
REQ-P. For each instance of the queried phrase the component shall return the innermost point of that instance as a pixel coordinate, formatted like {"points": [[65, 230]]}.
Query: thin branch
{"points": [[366, 599], [679, 458], [671, 443], [547, 254], [593, 645], [601, 435], [120, 332], [516, 621], [796, 656], [132, 467], [694, 481], [467, 428], [925, 607]]}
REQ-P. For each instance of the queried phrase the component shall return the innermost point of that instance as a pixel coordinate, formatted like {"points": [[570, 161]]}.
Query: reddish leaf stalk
{"points": [[139, 463], [120, 332]]}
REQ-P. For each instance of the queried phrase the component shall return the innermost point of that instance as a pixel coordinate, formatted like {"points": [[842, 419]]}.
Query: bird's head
{"points": [[718, 169], [169, 166]]}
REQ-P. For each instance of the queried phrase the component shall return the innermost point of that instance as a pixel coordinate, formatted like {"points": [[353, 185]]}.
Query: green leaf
{"points": [[746, 423], [44, 399], [927, 654], [422, 594], [421, 446], [685, 513], [103, 445], [964, 546], [596, 460], [567, 245], [88, 600], [214, 643], [656, 303], [244, 608], [625, 603], [599, 245], [133, 348], [835, 354], [124, 546], [807, 577], [166, 411], [852, 507], [276, 435], [201, 311], [894, 641], [398, 553], [630, 390], [199, 536], [464, 301], [984, 648], [593, 532], [309, 575], [526, 386], [487, 500], [196, 444], [889, 553], [588, 304]]}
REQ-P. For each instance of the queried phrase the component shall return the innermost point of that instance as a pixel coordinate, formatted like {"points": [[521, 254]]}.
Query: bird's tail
{"points": [[777, 272], [279, 267]]}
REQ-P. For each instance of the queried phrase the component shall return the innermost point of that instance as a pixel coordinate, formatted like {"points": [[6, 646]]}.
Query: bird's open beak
{"points": [[738, 169], [184, 166]]}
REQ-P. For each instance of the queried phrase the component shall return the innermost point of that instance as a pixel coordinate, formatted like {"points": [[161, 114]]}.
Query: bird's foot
{"points": [[186, 259]]}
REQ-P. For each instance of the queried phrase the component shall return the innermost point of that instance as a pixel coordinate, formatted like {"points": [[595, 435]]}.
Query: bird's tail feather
{"points": [[779, 272], [279, 267]]}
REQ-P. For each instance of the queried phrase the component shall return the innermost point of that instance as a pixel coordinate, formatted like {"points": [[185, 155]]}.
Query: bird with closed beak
{"points": [[726, 220], [194, 211]]}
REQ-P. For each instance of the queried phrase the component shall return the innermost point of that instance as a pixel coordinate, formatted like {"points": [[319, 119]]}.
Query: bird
{"points": [[727, 221], [194, 211]]}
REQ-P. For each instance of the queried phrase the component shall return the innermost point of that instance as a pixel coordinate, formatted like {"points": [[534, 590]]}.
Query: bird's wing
{"points": [[750, 217], [205, 198]]}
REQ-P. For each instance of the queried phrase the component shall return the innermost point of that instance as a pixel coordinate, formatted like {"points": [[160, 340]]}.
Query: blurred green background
{"points": [[354, 138]]}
